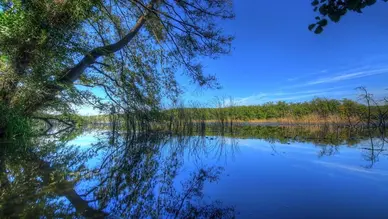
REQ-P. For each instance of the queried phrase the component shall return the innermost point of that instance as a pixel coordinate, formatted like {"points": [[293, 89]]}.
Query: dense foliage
{"points": [[17, 125], [334, 10], [122, 57], [316, 110], [55, 55]]}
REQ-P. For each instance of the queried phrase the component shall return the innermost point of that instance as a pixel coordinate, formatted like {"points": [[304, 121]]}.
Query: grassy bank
{"points": [[309, 119]]}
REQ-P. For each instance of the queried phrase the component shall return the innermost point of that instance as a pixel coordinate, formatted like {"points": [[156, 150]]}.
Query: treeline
{"points": [[318, 110]]}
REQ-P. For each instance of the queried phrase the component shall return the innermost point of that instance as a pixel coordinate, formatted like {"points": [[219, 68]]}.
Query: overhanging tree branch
{"points": [[72, 74], [75, 72]]}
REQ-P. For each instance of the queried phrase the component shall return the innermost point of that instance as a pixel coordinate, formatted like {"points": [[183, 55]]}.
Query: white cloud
{"points": [[300, 77], [352, 168], [252, 98], [347, 76], [298, 95]]}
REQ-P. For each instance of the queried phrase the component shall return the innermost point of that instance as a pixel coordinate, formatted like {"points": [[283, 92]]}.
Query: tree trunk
{"points": [[71, 75]]}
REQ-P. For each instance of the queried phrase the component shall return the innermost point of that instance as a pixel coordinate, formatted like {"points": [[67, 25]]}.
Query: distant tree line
{"points": [[367, 112], [225, 113]]}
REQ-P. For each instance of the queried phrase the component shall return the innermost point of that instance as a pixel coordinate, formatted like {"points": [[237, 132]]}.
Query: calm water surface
{"points": [[255, 172]]}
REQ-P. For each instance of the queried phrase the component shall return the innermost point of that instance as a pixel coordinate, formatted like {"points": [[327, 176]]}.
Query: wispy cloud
{"points": [[347, 76], [307, 75], [296, 95], [352, 168], [317, 84]]}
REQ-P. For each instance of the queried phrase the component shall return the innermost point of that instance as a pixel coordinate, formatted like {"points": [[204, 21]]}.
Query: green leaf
{"points": [[318, 30], [311, 26], [323, 10], [322, 23], [334, 17], [315, 3], [353, 4]]}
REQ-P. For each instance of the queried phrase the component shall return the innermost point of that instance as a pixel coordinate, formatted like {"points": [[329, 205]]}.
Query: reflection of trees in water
{"points": [[370, 141], [198, 147], [135, 175], [127, 177], [374, 148], [318, 135], [327, 138], [223, 142], [34, 177]]}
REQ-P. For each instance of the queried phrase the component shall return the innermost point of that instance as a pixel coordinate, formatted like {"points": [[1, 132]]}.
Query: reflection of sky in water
{"points": [[290, 180], [274, 180], [87, 139]]}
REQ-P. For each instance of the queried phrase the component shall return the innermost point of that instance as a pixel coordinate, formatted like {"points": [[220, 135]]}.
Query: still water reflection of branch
{"points": [[136, 175], [328, 139], [374, 148], [130, 176]]}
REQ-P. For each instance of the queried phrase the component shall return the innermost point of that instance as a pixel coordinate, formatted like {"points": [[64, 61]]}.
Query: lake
{"points": [[249, 172]]}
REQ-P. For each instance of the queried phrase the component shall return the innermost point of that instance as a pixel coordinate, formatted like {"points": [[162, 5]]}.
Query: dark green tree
{"points": [[334, 10], [50, 51]]}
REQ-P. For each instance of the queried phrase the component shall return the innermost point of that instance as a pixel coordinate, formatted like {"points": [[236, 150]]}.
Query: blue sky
{"points": [[275, 57]]}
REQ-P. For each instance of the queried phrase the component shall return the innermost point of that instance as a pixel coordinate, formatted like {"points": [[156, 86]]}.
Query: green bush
{"points": [[12, 124]]}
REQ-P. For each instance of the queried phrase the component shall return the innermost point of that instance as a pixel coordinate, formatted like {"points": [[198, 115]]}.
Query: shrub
{"points": [[13, 124]]}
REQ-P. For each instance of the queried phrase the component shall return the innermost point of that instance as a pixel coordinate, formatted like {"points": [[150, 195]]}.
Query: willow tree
{"points": [[52, 50]]}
